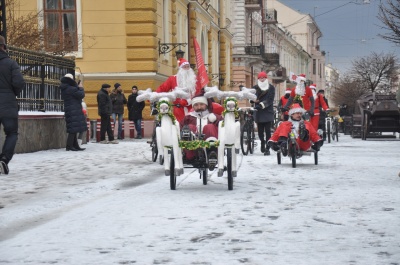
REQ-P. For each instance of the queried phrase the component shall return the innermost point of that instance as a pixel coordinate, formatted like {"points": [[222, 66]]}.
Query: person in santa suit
{"points": [[201, 114], [319, 102], [301, 94], [282, 102], [264, 106], [306, 135], [185, 78]]}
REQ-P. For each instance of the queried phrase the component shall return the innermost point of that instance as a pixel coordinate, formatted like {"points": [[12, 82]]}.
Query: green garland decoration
{"points": [[298, 99], [236, 107], [196, 144], [170, 114], [236, 112]]}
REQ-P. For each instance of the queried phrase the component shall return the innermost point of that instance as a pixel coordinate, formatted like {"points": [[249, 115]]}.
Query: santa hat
{"points": [[182, 62], [288, 90], [199, 99], [301, 77], [296, 108], [313, 86], [262, 75]]}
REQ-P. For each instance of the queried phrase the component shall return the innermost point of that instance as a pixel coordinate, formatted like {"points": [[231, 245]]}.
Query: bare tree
{"points": [[389, 15], [347, 91], [27, 34], [375, 71]]}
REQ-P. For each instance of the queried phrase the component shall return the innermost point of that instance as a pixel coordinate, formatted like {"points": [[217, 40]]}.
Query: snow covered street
{"points": [[110, 204]]}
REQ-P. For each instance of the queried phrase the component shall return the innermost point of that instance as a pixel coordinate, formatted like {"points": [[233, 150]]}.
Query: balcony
{"points": [[270, 16], [254, 50], [271, 59], [253, 5]]}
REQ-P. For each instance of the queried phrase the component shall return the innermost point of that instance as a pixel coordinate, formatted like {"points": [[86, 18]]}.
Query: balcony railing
{"points": [[253, 5], [270, 16], [254, 50], [271, 58]]}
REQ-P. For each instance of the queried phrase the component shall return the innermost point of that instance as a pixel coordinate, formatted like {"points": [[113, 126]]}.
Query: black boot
{"points": [[76, 145], [70, 142], [262, 146]]}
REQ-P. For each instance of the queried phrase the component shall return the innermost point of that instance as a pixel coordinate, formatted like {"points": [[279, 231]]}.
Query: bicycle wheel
{"points": [[204, 175], [229, 162], [252, 138], [172, 175], [244, 139], [328, 131]]}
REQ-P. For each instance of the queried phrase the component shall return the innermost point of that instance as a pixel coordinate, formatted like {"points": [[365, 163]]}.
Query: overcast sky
{"points": [[349, 28]]}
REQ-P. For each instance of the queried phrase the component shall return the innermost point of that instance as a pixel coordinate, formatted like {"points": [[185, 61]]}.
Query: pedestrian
{"points": [[104, 110], [75, 120], [264, 106], [11, 84], [135, 110], [306, 135], [118, 100], [320, 106], [343, 112], [303, 95], [282, 102], [185, 78]]}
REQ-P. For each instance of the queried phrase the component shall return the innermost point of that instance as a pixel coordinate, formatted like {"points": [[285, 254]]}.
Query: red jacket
{"points": [[169, 85], [305, 98]]}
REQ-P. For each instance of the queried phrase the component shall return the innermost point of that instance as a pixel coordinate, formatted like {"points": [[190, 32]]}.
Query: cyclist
{"points": [[306, 135], [209, 126], [185, 78], [319, 103], [282, 102]]}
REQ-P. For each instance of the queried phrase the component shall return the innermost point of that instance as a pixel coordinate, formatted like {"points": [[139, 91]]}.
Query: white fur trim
{"points": [[296, 110], [212, 117], [199, 100], [262, 105]]}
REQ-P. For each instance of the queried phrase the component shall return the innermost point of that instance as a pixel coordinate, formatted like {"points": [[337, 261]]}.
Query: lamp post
{"points": [[164, 48]]}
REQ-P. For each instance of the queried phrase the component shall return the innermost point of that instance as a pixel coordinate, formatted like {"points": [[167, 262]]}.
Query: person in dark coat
{"points": [[135, 110], [264, 114], [104, 110], [72, 94], [11, 84], [118, 100]]}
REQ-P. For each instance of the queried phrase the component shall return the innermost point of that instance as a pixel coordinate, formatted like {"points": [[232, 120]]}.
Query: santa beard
{"points": [[300, 89], [187, 79], [314, 93], [263, 85]]}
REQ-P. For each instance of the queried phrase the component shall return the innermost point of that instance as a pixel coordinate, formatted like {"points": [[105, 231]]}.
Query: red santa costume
{"points": [[284, 99], [318, 102], [185, 78], [282, 132], [304, 92], [209, 123]]}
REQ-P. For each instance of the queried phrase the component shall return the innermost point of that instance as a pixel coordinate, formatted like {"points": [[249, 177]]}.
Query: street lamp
{"points": [[164, 48]]}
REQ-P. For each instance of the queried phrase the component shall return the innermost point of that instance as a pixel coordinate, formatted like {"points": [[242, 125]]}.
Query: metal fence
{"points": [[42, 73]]}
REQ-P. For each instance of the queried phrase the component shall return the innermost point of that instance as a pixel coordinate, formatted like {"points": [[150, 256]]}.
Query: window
{"points": [[60, 25]]}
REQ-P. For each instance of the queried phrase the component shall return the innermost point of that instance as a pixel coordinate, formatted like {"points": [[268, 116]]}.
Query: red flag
{"points": [[202, 77]]}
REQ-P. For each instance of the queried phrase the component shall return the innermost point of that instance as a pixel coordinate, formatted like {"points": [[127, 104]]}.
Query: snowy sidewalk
{"points": [[111, 205]]}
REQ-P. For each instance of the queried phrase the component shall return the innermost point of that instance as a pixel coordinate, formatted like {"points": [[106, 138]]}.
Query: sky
{"points": [[350, 29], [110, 204]]}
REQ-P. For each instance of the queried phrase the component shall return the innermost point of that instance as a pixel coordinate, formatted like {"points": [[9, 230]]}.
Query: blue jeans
{"points": [[138, 126], [120, 116], [10, 126]]}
